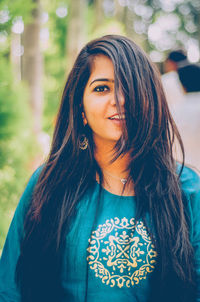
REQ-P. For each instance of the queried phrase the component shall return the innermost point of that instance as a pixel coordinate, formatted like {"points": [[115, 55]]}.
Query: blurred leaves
{"points": [[10, 9], [16, 143]]}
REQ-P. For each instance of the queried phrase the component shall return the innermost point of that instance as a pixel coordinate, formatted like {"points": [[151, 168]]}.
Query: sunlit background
{"points": [[39, 40]]}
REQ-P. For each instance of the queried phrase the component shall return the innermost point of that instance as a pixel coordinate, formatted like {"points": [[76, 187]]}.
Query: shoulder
{"points": [[33, 180], [169, 78], [189, 180], [28, 192], [169, 75], [34, 177], [16, 227], [190, 185]]}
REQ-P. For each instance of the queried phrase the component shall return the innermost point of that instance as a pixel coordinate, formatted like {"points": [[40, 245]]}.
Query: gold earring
{"points": [[83, 142]]}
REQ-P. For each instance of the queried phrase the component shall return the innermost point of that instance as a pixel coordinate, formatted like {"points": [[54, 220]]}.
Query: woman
{"points": [[187, 113], [109, 216]]}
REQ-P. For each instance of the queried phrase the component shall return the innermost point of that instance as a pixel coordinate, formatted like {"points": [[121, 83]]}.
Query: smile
{"points": [[117, 117]]}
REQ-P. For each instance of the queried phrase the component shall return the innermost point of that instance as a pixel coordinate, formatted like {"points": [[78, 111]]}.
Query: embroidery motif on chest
{"points": [[121, 253]]}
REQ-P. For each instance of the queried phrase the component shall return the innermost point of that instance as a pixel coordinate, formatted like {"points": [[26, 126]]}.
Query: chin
{"points": [[111, 138], [114, 139]]}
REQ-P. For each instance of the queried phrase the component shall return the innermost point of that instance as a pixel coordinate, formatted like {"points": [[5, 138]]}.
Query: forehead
{"points": [[102, 66]]}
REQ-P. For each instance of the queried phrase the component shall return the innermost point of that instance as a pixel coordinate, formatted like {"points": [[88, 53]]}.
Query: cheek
{"points": [[94, 110], [92, 116]]}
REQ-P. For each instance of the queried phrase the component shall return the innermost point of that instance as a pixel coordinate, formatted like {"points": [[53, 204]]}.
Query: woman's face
{"points": [[100, 111]]}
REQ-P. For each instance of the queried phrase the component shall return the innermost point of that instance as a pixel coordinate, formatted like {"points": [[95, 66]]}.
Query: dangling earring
{"points": [[83, 142]]}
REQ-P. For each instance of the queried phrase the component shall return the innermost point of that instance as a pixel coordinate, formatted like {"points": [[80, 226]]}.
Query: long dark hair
{"points": [[70, 171]]}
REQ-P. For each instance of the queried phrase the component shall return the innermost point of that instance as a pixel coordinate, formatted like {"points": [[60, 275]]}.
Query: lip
{"points": [[123, 113]]}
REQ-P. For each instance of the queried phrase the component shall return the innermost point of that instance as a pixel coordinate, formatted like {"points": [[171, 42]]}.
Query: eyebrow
{"points": [[102, 80]]}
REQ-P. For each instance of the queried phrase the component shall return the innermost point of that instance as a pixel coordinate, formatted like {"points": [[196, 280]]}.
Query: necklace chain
{"points": [[123, 180]]}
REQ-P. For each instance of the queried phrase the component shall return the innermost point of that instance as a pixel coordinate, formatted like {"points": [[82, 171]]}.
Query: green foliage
{"points": [[15, 9], [7, 106], [187, 11], [55, 63], [15, 144]]}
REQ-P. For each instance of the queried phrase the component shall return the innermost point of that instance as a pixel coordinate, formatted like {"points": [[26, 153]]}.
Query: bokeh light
{"points": [[139, 27], [193, 51], [109, 7], [18, 51], [156, 56], [143, 11], [44, 38], [162, 33], [61, 11], [18, 25], [184, 9], [44, 17], [123, 2], [3, 36], [4, 16]]}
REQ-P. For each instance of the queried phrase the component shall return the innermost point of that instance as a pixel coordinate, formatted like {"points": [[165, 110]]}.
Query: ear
{"points": [[84, 119]]}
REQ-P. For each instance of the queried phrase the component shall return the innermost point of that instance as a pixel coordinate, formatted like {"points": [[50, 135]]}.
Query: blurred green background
{"points": [[39, 40]]}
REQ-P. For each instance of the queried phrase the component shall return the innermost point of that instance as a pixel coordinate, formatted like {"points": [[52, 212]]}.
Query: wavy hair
{"points": [[69, 171]]}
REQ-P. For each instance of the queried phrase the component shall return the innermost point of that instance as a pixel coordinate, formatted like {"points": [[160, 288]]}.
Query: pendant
{"points": [[123, 180]]}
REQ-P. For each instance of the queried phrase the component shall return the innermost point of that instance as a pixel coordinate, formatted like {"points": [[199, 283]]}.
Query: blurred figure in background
{"points": [[187, 113], [170, 80]]}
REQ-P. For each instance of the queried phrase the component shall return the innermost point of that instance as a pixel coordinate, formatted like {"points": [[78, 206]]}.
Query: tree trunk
{"points": [[15, 55], [32, 67], [128, 20], [76, 30], [119, 11], [99, 13]]}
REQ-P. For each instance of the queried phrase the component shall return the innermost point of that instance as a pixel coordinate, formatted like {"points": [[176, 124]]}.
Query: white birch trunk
{"points": [[32, 67], [76, 30]]}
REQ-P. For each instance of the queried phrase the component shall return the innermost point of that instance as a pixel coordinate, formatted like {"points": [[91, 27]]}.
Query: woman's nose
{"points": [[120, 99]]}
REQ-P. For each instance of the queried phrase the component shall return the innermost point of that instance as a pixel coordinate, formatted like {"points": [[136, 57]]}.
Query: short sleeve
{"points": [[11, 250], [191, 186]]}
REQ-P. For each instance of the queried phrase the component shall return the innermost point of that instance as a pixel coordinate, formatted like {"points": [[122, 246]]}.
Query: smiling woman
{"points": [[100, 110], [110, 216]]}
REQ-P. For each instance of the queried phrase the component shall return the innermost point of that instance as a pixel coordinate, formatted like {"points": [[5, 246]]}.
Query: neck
{"points": [[115, 171], [104, 155]]}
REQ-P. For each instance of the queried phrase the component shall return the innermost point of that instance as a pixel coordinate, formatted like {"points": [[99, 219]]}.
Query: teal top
{"points": [[112, 251]]}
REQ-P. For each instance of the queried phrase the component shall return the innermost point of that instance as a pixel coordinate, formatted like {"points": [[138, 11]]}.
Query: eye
{"points": [[101, 88]]}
